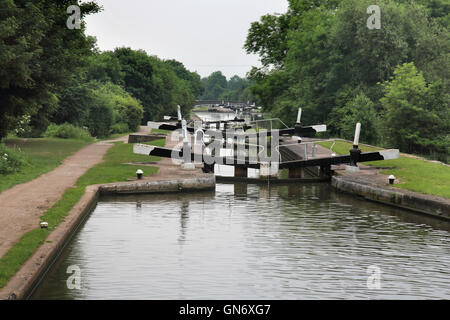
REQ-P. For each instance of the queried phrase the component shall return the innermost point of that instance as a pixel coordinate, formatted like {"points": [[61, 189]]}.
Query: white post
{"points": [[179, 113], [357, 133], [183, 127], [299, 115]]}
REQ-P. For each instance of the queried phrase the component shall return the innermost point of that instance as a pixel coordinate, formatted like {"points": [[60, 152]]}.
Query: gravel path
{"points": [[22, 206]]}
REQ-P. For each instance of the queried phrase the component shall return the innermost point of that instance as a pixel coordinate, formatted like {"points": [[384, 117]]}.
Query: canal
{"points": [[252, 242]]}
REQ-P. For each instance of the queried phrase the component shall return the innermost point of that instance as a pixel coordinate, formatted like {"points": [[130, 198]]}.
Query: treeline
{"points": [[321, 56], [52, 74], [217, 87]]}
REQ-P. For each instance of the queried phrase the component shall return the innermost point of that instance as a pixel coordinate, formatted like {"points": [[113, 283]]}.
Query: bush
{"points": [[120, 127], [100, 115], [67, 131], [11, 160]]}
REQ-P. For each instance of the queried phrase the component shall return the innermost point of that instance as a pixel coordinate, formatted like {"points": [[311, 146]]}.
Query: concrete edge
{"points": [[31, 272], [411, 201]]}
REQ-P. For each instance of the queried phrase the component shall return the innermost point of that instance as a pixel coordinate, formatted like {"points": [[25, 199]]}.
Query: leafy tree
{"points": [[360, 109], [38, 54], [215, 85], [414, 116], [153, 83], [328, 62], [126, 109], [192, 79]]}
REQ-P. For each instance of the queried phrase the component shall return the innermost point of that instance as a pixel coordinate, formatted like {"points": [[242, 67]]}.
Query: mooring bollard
{"points": [[391, 179], [44, 225], [139, 174]]}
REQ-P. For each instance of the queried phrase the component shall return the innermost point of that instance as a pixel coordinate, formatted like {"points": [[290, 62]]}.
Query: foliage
{"points": [[407, 96], [192, 79], [154, 83], [120, 127], [38, 54], [11, 160], [218, 88], [215, 85], [67, 131], [328, 62], [101, 116], [360, 109], [126, 109]]}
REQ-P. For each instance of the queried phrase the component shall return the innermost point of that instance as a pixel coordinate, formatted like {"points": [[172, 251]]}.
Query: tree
{"points": [[360, 109], [153, 83], [215, 85], [415, 113], [38, 55], [192, 79]]}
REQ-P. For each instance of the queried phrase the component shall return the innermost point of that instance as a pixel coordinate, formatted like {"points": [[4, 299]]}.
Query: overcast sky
{"points": [[206, 35]]}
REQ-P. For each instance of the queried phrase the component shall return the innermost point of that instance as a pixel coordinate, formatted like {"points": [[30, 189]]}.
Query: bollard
{"points": [[139, 174], [391, 179], [44, 225]]}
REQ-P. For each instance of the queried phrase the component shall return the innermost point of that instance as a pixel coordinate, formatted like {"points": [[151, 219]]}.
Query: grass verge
{"points": [[42, 155], [414, 174], [112, 169]]}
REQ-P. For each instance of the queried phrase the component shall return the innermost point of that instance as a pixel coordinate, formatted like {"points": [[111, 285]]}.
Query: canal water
{"points": [[252, 242]]}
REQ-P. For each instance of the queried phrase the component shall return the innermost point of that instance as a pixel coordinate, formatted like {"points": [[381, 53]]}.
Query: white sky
{"points": [[205, 35]]}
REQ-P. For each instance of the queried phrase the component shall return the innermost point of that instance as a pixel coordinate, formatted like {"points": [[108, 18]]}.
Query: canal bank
{"points": [[370, 184], [169, 178], [37, 266], [247, 241]]}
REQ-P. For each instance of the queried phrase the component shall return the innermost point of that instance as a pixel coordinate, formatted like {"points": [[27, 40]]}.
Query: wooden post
{"points": [[296, 173], [240, 171]]}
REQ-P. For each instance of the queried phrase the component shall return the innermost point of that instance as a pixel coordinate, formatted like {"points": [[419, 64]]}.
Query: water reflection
{"points": [[253, 242]]}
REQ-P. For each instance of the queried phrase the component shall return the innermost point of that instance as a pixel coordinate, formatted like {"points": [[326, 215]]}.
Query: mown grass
{"points": [[160, 131], [418, 175], [42, 155], [343, 147], [112, 169], [414, 174]]}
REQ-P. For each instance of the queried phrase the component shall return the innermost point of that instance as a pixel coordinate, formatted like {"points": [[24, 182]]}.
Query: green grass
{"points": [[418, 175], [343, 147], [161, 131], [43, 155], [414, 174], [200, 108], [112, 169], [158, 143], [115, 136]]}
